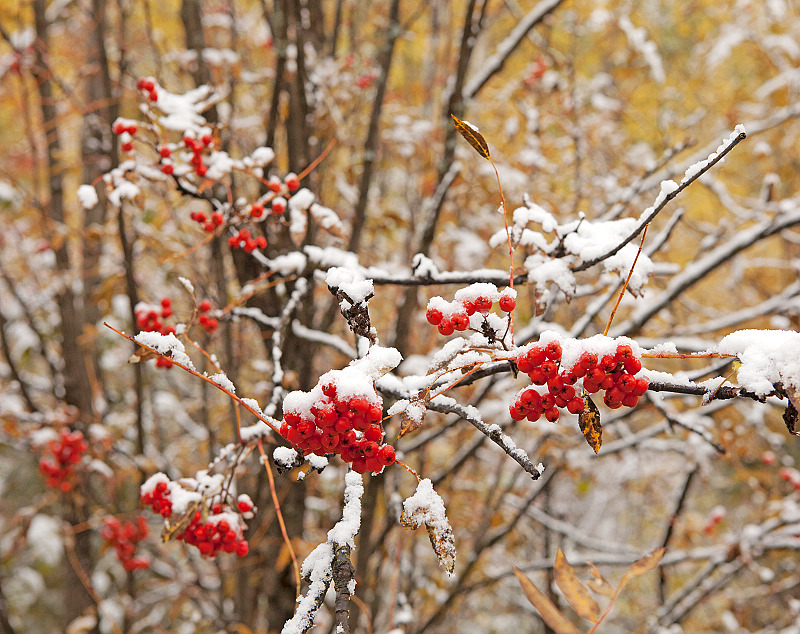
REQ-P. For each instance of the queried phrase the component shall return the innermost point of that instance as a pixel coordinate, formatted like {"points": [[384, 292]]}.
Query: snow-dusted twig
{"points": [[329, 562], [495, 434], [662, 200], [299, 292], [494, 64]]}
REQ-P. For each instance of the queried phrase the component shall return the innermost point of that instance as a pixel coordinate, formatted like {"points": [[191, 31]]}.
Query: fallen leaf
{"points": [[547, 610], [574, 591]]}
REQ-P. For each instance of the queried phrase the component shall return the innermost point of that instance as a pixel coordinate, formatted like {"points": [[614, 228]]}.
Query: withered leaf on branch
{"points": [[641, 566], [413, 416], [589, 422], [790, 415], [426, 507], [574, 591], [473, 137], [598, 582], [550, 614], [142, 354]]}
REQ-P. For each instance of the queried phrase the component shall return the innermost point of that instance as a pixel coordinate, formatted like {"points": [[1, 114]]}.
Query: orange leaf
{"points": [[641, 566], [598, 582], [589, 422], [547, 610], [473, 137], [574, 591]]}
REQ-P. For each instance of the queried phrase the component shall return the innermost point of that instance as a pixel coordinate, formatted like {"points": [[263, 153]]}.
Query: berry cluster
{"points": [[247, 242], [613, 373], [209, 224], [332, 419], [211, 528], [209, 323], [790, 475], [197, 147], [145, 84], [66, 451], [125, 129], [291, 183], [148, 319], [214, 535], [124, 537], [476, 298]]}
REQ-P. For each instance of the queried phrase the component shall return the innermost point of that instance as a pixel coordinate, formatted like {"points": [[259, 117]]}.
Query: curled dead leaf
{"points": [[550, 614], [589, 422]]}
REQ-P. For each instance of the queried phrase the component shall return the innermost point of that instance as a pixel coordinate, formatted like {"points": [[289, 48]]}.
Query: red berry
{"points": [[434, 316], [483, 304], [164, 151], [257, 210], [507, 303], [553, 350], [373, 433], [119, 127], [153, 96], [460, 321], [446, 327], [207, 139], [516, 411], [551, 414], [278, 205], [537, 355], [201, 170], [204, 306], [166, 302], [608, 363], [217, 218], [623, 352], [632, 365], [534, 415], [386, 454], [127, 147], [292, 182], [575, 405], [548, 369], [630, 400], [275, 184]]}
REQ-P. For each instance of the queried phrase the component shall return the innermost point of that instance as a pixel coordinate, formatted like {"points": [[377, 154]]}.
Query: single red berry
{"points": [[211, 325], [483, 304], [537, 355], [119, 127], [608, 363], [153, 96], [548, 401], [166, 302], [209, 227], [537, 377], [127, 147], [164, 151], [373, 433], [261, 242], [204, 306], [292, 182], [553, 350], [217, 218], [632, 365], [201, 170], [446, 327], [524, 363], [623, 352], [551, 414], [530, 398], [386, 454], [207, 139], [274, 184], [641, 387], [507, 303], [534, 415], [575, 405], [434, 316], [630, 400], [257, 210], [516, 411], [548, 369], [278, 205], [460, 321]]}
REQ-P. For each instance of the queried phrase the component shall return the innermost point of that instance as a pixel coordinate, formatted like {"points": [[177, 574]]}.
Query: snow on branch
{"points": [[470, 414], [669, 191], [326, 561]]}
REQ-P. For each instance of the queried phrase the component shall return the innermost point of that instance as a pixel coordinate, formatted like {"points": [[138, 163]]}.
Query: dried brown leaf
{"points": [[427, 507], [544, 606], [790, 415], [598, 583], [574, 591], [473, 137], [413, 416], [641, 566], [589, 422]]}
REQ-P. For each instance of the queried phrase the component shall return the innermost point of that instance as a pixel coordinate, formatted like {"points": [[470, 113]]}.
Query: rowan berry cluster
{"points": [[474, 299], [198, 147], [215, 534], [58, 468], [148, 319], [123, 537], [209, 224], [125, 129], [207, 523], [247, 242], [334, 418], [614, 373], [145, 84], [790, 475], [209, 323]]}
